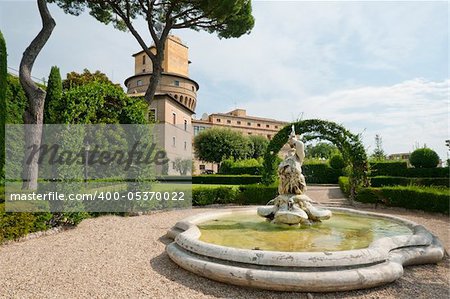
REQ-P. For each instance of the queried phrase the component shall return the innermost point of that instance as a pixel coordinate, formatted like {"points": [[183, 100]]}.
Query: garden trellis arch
{"points": [[348, 143]]}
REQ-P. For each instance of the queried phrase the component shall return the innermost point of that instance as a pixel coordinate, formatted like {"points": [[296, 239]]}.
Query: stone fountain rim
{"points": [[378, 251]]}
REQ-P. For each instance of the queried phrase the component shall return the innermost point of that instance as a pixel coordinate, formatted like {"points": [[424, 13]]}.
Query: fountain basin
{"points": [[328, 268]]}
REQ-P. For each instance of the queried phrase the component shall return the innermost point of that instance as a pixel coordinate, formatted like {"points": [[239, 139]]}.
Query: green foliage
{"points": [[226, 179], [392, 168], [322, 150], [227, 18], [74, 79], [53, 97], [202, 196], [258, 146], [248, 166], [344, 185], [418, 198], [183, 166], [320, 173], [3, 86], [380, 181], [217, 144], [256, 194], [369, 195], [424, 158], [16, 101], [337, 162], [349, 145], [16, 225], [378, 153]]}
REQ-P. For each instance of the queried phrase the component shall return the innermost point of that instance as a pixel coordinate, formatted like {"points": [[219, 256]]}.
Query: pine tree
{"points": [[53, 97], [378, 153], [3, 74]]}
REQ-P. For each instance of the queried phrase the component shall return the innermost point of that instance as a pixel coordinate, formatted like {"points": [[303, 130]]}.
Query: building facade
{"points": [[175, 102]]}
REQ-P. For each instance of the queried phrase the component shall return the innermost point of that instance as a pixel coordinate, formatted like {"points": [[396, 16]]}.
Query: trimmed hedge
{"points": [[389, 168], [380, 181], [418, 198], [247, 195], [226, 179], [320, 173], [400, 169], [250, 170], [344, 184]]}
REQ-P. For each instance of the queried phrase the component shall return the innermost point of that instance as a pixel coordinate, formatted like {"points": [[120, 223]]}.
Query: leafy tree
{"points": [[337, 162], [183, 166], [53, 97], [216, 144], [321, 150], [378, 153], [230, 18], [258, 145], [35, 94], [424, 158], [75, 79], [3, 85]]}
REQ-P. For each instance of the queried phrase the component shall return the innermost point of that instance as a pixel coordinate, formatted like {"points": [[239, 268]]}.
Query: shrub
{"points": [[248, 166], [226, 179], [368, 195], [256, 194], [320, 173], [337, 162], [344, 184], [424, 158], [380, 181], [393, 168], [217, 195], [419, 198]]}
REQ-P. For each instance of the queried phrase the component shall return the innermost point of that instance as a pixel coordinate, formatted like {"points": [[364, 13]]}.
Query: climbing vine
{"points": [[349, 144]]}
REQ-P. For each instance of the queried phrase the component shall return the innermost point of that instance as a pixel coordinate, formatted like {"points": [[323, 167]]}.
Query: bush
{"points": [[256, 194], [418, 198], [226, 179], [390, 168], [369, 195], [202, 196], [320, 173], [249, 166], [344, 184], [337, 162], [380, 181], [424, 158]]}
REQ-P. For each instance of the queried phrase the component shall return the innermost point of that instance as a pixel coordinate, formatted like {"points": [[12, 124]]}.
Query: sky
{"points": [[374, 67]]}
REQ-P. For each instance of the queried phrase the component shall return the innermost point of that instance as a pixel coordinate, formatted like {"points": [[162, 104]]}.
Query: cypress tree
{"points": [[53, 97], [3, 74]]}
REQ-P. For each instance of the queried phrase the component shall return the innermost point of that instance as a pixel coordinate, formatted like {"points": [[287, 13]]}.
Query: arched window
{"points": [[176, 96]]}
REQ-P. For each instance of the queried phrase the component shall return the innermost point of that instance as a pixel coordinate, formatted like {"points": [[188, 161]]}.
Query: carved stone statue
{"points": [[292, 206]]}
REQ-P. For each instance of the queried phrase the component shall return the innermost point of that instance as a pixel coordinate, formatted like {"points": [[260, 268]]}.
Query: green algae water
{"points": [[343, 231]]}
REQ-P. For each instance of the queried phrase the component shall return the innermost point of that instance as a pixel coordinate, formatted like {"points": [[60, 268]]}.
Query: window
{"points": [[139, 83], [269, 137], [196, 130], [174, 118], [152, 115], [202, 167], [176, 83], [249, 124], [174, 141], [185, 145], [276, 127], [218, 120], [143, 70], [143, 59], [193, 88], [249, 133], [228, 121], [258, 125], [238, 122], [185, 125], [267, 126]]}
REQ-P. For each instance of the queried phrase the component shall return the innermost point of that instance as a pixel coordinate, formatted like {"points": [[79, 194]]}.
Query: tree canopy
{"points": [[216, 144], [227, 18]]}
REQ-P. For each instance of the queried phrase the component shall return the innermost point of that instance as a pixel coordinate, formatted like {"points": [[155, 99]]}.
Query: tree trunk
{"points": [[155, 77], [34, 115]]}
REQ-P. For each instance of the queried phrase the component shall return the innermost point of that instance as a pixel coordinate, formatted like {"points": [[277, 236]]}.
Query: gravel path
{"points": [[117, 257]]}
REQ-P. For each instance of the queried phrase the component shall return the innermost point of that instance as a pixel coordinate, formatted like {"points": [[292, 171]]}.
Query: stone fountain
{"points": [[292, 206], [351, 250]]}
